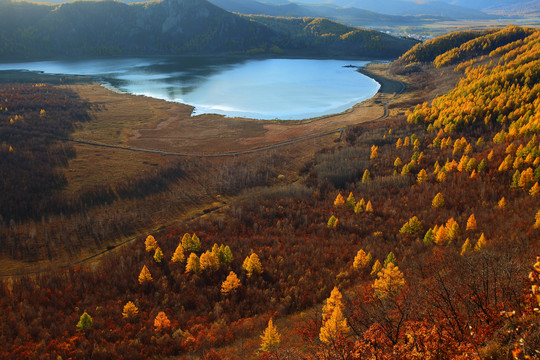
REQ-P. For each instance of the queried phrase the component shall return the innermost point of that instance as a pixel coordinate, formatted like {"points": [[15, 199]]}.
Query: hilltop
{"points": [[169, 27]]}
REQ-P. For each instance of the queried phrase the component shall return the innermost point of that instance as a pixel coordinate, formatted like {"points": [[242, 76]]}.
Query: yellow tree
{"points": [[398, 162], [339, 201], [178, 256], [481, 243], [334, 327], [452, 229], [270, 338], [150, 243], [526, 180], [438, 201], [130, 310], [231, 284], [369, 207], [351, 201], [145, 277], [399, 143], [374, 152], [535, 190], [366, 178], [252, 265], [193, 264], [334, 301], [537, 220], [422, 176], [471, 223], [209, 261], [466, 247], [377, 266], [158, 255], [361, 260], [389, 283], [162, 322], [332, 222], [502, 203]]}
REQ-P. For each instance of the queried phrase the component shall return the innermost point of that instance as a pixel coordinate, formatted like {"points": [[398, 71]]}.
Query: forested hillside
{"points": [[105, 28], [418, 235]]}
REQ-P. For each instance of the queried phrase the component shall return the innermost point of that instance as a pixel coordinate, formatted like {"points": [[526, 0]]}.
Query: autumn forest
{"points": [[411, 237]]}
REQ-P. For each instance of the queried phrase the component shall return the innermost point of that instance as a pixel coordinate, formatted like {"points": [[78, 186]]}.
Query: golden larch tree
{"points": [[335, 327], [178, 256], [369, 207], [422, 176], [471, 223], [193, 264], [270, 338], [361, 260], [481, 243], [130, 310], [145, 277], [535, 190], [377, 266], [334, 301], [502, 203], [231, 284], [209, 261], [389, 283], [438, 201], [351, 201], [366, 178], [150, 243], [374, 152], [466, 247], [158, 255], [339, 201], [252, 265], [333, 222], [537, 220], [162, 322]]}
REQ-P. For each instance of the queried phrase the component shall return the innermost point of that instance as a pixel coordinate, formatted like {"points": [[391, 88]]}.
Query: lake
{"points": [[284, 89]]}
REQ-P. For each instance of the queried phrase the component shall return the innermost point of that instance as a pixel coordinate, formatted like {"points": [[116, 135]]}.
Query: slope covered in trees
{"points": [[105, 28], [432, 256]]}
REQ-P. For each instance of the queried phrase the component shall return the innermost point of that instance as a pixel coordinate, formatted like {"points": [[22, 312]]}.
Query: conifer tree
{"points": [[85, 322], [429, 238], [351, 201], [334, 327], [440, 235], [515, 180], [195, 243], [333, 302], [535, 190], [452, 229], [398, 162], [389, 283], [390, 259], [481, 243], [178, 256], [145, 277], [412, 227], [438, 201], [130, 310], [361, 260], [526, 179], [537, 220], [252, 265], [231, 284], [377, 266], [471, 223], [399, 143], [209, 261], [466, 247], [150, 243], [186, 242], [422, 176], [366, 177], [406, 142], [332, 222], [502, 203], [374, 152], [369, 207], [339, 201], [270, 338], [162, 322], [158, 255], [193, 264]]}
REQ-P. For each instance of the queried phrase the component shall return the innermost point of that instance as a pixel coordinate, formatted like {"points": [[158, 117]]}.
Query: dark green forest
{"points": [[176, 27]]}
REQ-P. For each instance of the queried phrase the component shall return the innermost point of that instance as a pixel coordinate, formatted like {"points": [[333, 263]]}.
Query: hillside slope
{"points": [[103, 28]]}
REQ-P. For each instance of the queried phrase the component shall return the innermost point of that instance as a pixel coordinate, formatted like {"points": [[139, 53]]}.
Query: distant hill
{"points": [[351, 16], [502, 7], [104, 28], [404, 7]]}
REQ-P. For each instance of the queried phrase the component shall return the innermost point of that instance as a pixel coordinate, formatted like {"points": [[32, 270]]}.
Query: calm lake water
{"points": [[260, 89]]}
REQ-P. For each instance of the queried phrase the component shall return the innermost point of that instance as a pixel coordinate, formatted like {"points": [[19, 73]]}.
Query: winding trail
{"points": [[252, 150]]}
